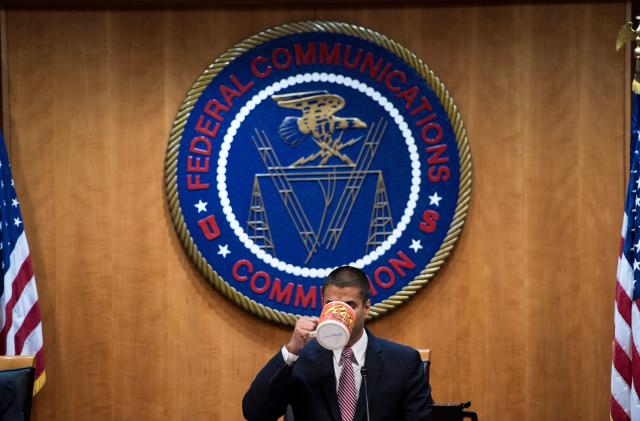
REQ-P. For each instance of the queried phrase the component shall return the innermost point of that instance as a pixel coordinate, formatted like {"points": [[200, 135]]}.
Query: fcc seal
{"points": [[314, 145]]}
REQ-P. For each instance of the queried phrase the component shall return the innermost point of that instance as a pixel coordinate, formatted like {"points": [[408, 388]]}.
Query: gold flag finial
{"points": [[626, 34]]}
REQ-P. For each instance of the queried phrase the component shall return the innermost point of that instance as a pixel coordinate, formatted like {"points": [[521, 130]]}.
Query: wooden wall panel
{"points": [[519, 320]]}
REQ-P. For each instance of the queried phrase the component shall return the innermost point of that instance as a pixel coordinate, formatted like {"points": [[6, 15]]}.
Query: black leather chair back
{"points": [[16, 392]]}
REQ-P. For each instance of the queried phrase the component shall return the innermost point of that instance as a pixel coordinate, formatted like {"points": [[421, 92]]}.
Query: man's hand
{"points": [[301, 334]]}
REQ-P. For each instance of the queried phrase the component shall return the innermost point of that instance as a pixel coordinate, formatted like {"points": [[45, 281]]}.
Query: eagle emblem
{"points": [[318, 120]]}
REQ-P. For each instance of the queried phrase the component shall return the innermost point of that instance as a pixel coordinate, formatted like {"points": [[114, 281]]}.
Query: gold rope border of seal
{"points": [[224, 60]]}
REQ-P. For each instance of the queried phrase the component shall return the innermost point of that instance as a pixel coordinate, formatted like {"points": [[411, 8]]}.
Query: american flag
{"points": [[625, 366], [21, 332]]}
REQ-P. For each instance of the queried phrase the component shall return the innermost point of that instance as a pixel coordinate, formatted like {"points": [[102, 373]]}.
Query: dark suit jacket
{"points": [[397, 386]]}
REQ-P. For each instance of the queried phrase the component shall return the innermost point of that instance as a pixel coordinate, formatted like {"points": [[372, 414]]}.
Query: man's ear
{"points": [[367, 304]]}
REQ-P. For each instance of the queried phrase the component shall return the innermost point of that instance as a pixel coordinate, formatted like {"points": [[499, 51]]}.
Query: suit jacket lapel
{"points": [[327, 378], [373, 363]]}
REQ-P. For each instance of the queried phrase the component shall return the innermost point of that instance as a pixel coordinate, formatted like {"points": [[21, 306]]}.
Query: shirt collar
{"points": [[359, 350]]}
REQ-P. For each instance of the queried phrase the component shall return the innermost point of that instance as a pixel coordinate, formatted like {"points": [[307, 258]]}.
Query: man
{"points": [[323, 385]]}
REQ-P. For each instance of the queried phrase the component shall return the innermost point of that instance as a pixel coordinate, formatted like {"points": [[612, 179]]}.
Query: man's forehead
{"points": [[332, 292]]}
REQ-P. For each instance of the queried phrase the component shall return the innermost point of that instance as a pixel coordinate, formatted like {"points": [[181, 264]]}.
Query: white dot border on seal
{"points": [[267, 92]]}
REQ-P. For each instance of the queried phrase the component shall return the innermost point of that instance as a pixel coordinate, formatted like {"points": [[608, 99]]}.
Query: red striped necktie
{"points": [[347, 387]]}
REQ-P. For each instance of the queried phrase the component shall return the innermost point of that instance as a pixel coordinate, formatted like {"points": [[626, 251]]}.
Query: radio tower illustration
{"points": [[258, 224], [381, 225], [330, 169]]}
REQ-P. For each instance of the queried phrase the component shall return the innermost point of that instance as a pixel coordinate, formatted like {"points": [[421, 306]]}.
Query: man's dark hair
{"points": [[348, 276]]}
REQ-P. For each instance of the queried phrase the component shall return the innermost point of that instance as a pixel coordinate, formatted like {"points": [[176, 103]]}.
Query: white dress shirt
{"points": [[359, 352]]}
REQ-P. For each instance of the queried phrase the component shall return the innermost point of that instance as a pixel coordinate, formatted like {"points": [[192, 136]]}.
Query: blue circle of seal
{"points": [[310, 146]]}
